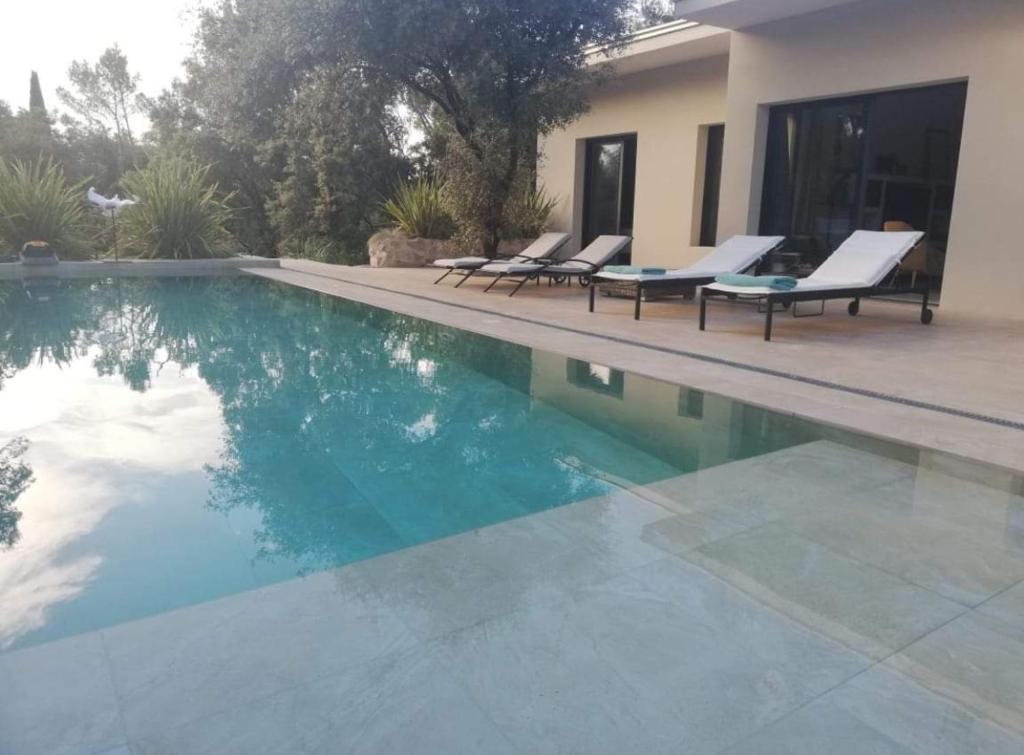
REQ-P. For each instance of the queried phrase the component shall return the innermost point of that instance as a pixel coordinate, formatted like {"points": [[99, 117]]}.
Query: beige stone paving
{"points": [[974, 366]]}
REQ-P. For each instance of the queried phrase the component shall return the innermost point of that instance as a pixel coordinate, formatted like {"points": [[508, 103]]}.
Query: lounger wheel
{"points": [[853, 308], [926, 316], [584, 281]]}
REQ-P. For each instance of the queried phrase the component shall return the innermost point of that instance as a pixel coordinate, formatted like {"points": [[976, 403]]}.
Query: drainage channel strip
{"points": [[865, 392]]}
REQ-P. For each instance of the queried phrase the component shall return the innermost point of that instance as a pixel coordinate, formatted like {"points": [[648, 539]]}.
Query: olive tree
{"points": [[498, 72]]}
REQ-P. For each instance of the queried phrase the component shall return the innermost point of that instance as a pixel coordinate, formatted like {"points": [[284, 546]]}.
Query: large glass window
{"points": [[610, 177], [876, 162]]}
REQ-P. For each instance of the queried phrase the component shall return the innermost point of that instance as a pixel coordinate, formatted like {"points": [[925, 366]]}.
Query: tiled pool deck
{"points": [[818, 599], [815, 600]]}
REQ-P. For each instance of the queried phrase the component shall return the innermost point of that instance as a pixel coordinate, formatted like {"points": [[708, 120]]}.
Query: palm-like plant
{"points": [[418, 209], [38, 204], [180, 215]]}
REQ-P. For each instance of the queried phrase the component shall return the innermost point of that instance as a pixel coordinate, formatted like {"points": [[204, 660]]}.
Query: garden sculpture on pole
{"points": [[110, 207]]}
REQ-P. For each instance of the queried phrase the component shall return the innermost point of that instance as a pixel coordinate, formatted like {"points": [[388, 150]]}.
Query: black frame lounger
{"points": [[877, 254], [543, 249], [735, 255], [581, 266]]}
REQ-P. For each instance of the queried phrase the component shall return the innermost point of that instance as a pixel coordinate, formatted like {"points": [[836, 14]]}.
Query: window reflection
{"points": [[595, 377]]}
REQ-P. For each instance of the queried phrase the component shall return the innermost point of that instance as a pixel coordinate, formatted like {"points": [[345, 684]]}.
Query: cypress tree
{"points": [[36, 104]]}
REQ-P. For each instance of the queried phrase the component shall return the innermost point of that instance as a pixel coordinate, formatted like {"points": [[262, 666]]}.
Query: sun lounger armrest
{"points": [[593, 268]]}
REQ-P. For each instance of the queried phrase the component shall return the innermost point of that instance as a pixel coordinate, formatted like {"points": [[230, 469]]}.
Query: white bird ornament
{"points": [[110, 206]]}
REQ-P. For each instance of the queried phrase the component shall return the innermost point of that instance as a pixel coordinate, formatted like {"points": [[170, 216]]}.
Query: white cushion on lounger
{"points": [[597, 253], [543, 246], [511, 268], [866, 257], [682, 273], [601, 250], [862, 261], [804, 284], [732, 256], [460, 261]]}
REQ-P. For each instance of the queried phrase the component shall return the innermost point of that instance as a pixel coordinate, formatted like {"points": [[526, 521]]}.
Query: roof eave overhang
{"points": [[740, 14], [663, 45]]}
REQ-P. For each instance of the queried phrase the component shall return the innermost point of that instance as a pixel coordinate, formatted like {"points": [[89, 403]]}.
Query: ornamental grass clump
{"points": [[180, 212], [38, 204], [418, 209]]}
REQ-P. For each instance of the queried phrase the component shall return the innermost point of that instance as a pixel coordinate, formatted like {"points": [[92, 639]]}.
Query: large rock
{"points": [[395, 249]]}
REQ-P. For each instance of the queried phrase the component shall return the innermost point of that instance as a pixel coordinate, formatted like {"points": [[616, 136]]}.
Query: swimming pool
{"points": [[169, 441]]}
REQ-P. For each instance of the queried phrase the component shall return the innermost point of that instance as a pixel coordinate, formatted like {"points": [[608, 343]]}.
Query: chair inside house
{"points": [[923, 259]]}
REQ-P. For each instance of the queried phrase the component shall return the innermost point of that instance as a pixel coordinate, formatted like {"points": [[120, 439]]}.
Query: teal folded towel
{"points": [[774, 282], [635, 270]]}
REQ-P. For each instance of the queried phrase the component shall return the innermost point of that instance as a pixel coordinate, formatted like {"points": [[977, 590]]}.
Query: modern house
{"points": [[811, 119]]}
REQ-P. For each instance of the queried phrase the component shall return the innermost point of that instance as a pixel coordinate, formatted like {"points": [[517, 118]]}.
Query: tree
{"points": [[28, 134], [105, 95], [15, 477], [340, 149], [307, 138], [499, 72], [36, 104], [651, 13]]}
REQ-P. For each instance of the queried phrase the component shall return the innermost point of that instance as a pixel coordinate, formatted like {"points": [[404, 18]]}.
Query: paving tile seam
{"points": [[108, 664], [697, 356], [992, 597], [847, 554], [870, 662], [881, 662]]}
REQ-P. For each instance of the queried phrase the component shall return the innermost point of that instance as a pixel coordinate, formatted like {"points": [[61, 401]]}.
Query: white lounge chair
{"points": [[854, 271], [545, 247], [735, 255], [582, 266]]}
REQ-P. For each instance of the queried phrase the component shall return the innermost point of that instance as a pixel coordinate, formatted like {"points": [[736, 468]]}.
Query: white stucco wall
{"points": [[665, 108], [873, 45]]}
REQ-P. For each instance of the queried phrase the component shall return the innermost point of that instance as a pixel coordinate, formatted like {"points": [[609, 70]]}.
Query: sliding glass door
{"points": [[883, 161]]}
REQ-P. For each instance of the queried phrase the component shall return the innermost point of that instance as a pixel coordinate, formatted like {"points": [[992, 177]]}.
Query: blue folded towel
{"points": [[634, 270], [774, 282]]}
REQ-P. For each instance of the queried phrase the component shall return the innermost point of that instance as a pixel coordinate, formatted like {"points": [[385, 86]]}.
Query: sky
{"points": [[46, 35]]}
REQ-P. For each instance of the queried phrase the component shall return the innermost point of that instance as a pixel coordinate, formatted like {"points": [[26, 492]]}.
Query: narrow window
{"points": [[609, 189], [712, 184]]}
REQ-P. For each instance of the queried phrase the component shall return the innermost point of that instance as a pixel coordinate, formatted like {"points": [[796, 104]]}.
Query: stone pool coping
{"points": [[134, 268]]}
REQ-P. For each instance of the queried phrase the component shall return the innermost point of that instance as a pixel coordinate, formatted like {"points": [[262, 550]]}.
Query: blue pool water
{"points": [[165, 442]]}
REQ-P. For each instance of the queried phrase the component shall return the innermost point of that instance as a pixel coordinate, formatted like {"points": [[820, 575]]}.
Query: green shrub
{"points": [[180, 215], [527, 215], [38, 204], [418, 209]]}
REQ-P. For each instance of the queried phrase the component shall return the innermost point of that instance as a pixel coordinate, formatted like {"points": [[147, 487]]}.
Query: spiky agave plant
{"points": [[418, 208], [181, 213], [527, 214], [37, 203]]}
